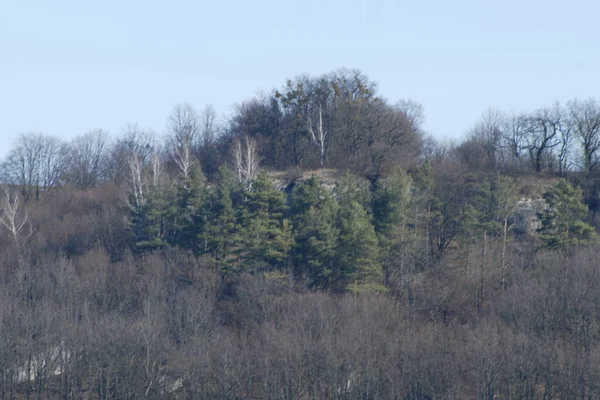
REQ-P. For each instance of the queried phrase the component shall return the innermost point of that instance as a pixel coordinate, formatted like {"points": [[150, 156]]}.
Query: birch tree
{"points": [[14, 220], [183, 128], [247, 160], [318, 133]]}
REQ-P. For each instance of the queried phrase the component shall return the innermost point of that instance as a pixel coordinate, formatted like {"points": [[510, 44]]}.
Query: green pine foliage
{"points": [[358, 266], [265, 237], [221, 226], [352, 188], [563, 222], [391, 209], [191, 199], [315, 233], [152, 222]]}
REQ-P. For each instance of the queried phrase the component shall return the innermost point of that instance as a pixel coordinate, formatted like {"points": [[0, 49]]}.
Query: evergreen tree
{"points": [[306, 195], [190, 218], [265, 239], [219, 236], [391, 203], [562, 221], [152, 222], [357, 266], [315, 232], [479, 210], [352, 188]]}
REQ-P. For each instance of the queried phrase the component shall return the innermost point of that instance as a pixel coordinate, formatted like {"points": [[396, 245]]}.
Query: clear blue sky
{"points": [[67, 66]]}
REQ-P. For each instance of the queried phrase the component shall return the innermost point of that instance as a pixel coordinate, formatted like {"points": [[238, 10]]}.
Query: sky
{"points": [[70, 66]]}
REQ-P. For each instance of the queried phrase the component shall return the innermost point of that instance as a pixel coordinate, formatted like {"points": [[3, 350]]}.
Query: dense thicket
{"points": [[317, 245]]}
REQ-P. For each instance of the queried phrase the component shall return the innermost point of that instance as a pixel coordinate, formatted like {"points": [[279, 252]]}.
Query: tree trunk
{"points": [[503, 258], [483, 267]]}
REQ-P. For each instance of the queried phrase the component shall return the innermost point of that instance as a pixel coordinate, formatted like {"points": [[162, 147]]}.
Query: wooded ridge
{"points": [[315, 244]]}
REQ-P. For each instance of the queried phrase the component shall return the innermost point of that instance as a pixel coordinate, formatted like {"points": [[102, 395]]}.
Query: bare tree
{"points": [[489, 132], [144, 178], [88, 156], [413, 111], [184, 128], [516, 129], [14, 219], [586, 126], [133, 141], [318, 133], [247, 160], [209, 126], [543, 137], [565, 127], [35, 164]]}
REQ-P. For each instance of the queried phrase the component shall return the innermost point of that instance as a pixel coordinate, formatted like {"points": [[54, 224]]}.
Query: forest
{"points": [[317, 243]]}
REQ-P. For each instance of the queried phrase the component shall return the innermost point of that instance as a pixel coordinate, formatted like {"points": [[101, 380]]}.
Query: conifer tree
{"points": [[315, 232], [352, 188], [357, 267], [190, 218], [221, 229], [265, 239], [391, 203], [562, 221], [152, 222]]}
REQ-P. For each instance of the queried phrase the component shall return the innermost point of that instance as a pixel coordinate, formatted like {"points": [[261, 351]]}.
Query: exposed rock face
{"points": [[526, 218], [281, 181]]}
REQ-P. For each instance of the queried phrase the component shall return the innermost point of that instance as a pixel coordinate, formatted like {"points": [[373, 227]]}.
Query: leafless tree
{"points": [[565, 128], [14, 219], [88, 155], [144, 178], [413, 111], [183, 132], [247, 160], [318, 133], [134, 140], [543, 137], [35, 164], [516, 129], [585, 117], [209, 126], [489, 132]]}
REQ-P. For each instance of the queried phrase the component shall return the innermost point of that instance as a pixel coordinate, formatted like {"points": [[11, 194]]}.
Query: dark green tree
{"points": [[358, 267], [352, 188], [315, 232], [220, 235], [391, 205], [265, 238], [563, 222], [152, 221], [189, 221]]}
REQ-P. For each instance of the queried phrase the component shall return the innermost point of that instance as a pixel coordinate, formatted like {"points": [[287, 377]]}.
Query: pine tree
{"points": [[315, 232], [265, 239], [391, 203], [562, 221], [352, 188], [152, 222], [357, 267], [190, 218], [221, 229]]}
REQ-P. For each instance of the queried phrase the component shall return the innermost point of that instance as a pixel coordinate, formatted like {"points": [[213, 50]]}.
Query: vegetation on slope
{"points": [[318, 245]]}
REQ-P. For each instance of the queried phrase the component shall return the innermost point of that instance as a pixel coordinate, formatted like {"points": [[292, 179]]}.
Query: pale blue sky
{"points": [[67, 66]]}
